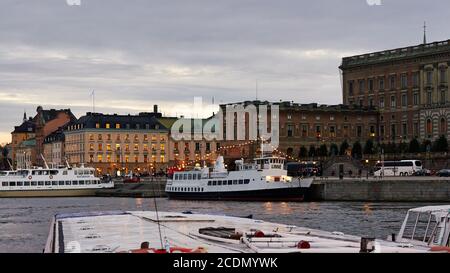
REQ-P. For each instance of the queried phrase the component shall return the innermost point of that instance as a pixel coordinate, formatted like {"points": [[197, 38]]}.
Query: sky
{"points": [[138, 53]]}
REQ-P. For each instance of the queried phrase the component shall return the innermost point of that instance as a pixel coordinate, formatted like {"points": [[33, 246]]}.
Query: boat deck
{"points": [[124, 231]]}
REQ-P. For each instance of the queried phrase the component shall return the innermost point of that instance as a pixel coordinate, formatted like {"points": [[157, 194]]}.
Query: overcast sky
{"points": [[137, 53]]}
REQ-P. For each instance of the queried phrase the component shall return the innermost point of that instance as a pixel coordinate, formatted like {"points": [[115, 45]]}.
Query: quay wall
{"points": [[408, 189], [146, 188]]}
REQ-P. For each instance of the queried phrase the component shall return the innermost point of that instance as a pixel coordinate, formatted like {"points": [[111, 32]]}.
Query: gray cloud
{"points": [[137, 53]]}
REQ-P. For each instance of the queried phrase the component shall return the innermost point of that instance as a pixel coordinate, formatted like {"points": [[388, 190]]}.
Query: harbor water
{"points": [[24, 223]]}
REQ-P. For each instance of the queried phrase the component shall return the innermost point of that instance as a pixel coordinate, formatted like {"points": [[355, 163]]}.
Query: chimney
{"points": [[155, 108]]}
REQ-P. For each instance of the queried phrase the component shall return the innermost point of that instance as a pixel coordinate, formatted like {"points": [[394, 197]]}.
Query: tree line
{"points": [[370, 148]]}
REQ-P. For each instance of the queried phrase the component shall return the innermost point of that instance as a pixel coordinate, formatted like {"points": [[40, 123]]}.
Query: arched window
{"points": [[443, 126], [429, 128]]}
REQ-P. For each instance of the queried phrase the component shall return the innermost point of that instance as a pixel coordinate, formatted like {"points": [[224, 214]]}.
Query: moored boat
{"points": [[51, 182], [264, 179]]}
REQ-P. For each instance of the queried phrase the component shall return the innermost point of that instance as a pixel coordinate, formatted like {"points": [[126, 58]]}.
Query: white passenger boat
{"points": [[164, 232], [264, 179], [51, 182]]}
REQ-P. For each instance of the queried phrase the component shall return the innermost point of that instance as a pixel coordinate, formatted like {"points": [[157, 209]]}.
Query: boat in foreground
{"points": [[52, 182], [169, 232]]}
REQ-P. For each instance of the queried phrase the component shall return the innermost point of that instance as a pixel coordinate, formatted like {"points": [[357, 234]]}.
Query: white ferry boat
{"points": [[265, 179], [51, 182], [170, 232]]}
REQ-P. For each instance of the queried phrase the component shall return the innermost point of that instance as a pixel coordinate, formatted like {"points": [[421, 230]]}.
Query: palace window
{"points": [[370, 85], [404, 81], [381, 84], [429, 128], [443, 96], [290, 130], [429, 97], [145, 137], [162, 147], [127, 159], [382, 102], [332, 131], [443, 126], [443, 75], [100, 147], [136, 147], [429, 77], [117, 147], [416, 129], [359, 131], [108, 147], [91, 147], [382, 130], [97, 125], [99, 137], [393, 102], [404, 100], [361, 86], [350, 88], [304, 130], [127, 147], [108, 126], [117, 125], [100, 158], [416, 99], [145, 147], [404, 130], [91, 137], [392, 82]]}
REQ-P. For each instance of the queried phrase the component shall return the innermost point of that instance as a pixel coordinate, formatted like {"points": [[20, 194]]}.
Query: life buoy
{"points": [[51, 176], [30, 177]]}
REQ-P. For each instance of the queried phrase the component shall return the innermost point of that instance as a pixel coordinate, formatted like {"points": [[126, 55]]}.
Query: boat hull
{"points": [[296, 194], [48, 193]]}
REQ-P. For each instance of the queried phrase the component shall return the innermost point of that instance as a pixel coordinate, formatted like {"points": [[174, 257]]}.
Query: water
{"points": [[25, 223]]}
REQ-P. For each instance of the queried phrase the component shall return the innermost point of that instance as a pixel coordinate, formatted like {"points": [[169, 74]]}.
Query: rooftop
{"points": [[396, 54]]}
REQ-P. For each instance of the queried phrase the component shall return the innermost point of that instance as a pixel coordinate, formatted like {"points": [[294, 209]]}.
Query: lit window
{"points": [[100, 158], [108, 126], [117, 125], [97, 125]]}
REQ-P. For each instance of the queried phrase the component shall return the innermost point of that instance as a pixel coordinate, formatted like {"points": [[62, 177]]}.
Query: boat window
{"points": [[74, 182], [48, 183], [19, 183], [26, 183], [241, 181], [94, 181], [199, 176], [189, 176], [202, 189], [53, 172], [214, 183], [235, 182], [12, 184], [54, 183], [81, 182], [41, 183], [185, 176], [68, 183], [5, 184], [219, 183], [209, 183], [33, 183], [246, 181], [88, 182], [230, 182], [60, 183], [64, 172], [87, 172]]}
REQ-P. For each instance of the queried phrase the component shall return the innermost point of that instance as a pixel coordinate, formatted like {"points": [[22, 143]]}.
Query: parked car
{"points": [[422, 172], [131, 178], [443, 173]]}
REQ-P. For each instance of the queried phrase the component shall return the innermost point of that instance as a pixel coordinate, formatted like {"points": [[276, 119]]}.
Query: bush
{"points": [[312, 151], [344, 147], [441, 144], [369, 147], [414, 146], [334, 150], [323, 150], [303, 152]]}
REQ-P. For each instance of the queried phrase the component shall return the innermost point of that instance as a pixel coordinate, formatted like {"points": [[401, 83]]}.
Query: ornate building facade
{"points": [[409, 86]]}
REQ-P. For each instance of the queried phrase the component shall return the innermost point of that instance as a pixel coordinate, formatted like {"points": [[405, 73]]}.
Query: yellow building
{"points": [[117, 144]]}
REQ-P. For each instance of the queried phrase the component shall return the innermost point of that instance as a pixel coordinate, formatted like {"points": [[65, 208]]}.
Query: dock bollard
{"points": [[367, 245]]}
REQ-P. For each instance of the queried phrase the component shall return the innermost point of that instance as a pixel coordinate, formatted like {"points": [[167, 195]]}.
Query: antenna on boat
{"points": [[10, 165], [157, 216], [45, 162], [67, 162]]}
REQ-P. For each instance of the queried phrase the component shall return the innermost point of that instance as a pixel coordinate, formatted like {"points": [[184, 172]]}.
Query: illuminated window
{"points": [[162, 138], [145, 137], [97, 125], [162, 158], [117, 125], [127, 137], [145, 147], [127, 147], [127, 159], [100, 146], [136, 138], [443, 126], [100, 158], [91, 137], [108, 126], [117, 147], [136, 159], [153, 138], [91, 147], [108, 147], [108, 158], [145, 158], [162, 147], [118, 158], [136, 147]]}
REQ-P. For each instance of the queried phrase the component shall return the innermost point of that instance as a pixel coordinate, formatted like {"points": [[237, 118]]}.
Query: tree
{"points": [[303, 152], [425, 146], [334, 150], [441, 144], [403, 147], [369, 147], [414, 146], [323, 151], [344, 147], [312, 150], [357, 150]]}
